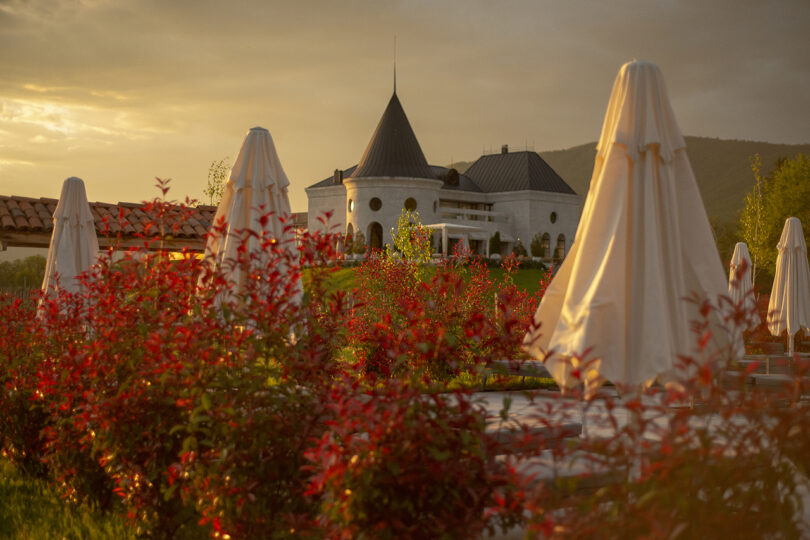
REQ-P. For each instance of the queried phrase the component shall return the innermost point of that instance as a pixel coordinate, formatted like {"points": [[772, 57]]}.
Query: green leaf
{"points": [[507, 403]]}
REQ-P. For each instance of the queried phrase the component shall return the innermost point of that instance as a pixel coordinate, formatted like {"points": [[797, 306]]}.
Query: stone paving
{"points": [[534, 408]]}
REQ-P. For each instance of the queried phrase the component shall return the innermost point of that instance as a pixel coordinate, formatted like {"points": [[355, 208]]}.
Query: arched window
{"points": [[545, 246], [375, 235], [349, 232], [559, 251]]}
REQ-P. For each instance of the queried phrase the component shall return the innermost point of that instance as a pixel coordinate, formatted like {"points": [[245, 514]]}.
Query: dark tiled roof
{"points": [[465, 183], [393, 149], [330, 181], [516, 171], [35, 216]]}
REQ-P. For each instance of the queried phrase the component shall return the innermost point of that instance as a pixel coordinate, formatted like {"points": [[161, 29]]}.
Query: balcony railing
{"points": [[466, 214]]}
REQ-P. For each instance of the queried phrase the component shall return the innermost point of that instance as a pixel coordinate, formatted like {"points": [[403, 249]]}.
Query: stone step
{"points": [[577, 473], [524, 368], [773, 381], [767, 347], [528, 439], [767, 364]]}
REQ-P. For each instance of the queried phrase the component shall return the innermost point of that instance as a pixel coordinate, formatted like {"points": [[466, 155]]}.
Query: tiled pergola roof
{"points": [[28, 222]]}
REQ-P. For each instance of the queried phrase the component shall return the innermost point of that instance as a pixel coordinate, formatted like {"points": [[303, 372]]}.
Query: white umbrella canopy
{"points": [[256, 188], [789, 306], [740, 285], [643, 245], [74, 245]]}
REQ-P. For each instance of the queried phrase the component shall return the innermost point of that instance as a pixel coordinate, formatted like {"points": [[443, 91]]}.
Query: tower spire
{"points": [[395, 64]]}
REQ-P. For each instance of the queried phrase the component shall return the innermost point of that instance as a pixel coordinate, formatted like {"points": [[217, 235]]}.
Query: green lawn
{"points": [[527, 279], [29, 509]]}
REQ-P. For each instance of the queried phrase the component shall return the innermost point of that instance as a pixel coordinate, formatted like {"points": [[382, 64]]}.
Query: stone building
{"points": [[516, 194]]}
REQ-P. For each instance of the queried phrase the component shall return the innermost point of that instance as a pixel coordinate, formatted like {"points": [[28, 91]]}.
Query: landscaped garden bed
{"points": [[154, 397]]}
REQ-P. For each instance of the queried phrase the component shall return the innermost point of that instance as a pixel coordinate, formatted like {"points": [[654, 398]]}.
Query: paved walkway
{"points": [[536, 408]]}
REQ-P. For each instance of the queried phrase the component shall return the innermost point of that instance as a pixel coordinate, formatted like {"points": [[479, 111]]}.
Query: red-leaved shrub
{"points": [[246, 414]]}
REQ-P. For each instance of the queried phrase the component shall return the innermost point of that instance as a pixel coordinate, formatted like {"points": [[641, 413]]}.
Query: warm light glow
{"points": [[119, 92]]}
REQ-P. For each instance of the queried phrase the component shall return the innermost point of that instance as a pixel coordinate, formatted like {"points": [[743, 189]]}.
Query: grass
{"points": [[501, 383], [29, 509], [527, 279]]}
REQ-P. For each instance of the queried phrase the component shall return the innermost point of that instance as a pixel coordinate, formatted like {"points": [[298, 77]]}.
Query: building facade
{"points": [[515, 194]]}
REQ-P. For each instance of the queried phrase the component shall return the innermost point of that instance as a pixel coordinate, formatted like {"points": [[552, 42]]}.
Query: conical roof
{"points": [[393, 149]]}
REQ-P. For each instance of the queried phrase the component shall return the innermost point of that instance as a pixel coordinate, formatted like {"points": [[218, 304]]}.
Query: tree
{"points": [[411, 238], [785, 193], [725, 236], [519, 250], [495, 243], [348, 242], [359, 243], [751, 216], [28, 272], [537, 247], [217, 176]]}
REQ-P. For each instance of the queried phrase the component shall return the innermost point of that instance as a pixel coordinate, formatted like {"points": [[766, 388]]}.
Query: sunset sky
{"points": [[120, 91]]}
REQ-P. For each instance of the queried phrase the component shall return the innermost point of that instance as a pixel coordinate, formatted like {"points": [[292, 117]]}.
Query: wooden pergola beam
{"points": [[43, 240]]}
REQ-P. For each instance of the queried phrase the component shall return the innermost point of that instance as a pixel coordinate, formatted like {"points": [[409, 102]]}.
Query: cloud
{"points": [[71, 121], [138, 88]]}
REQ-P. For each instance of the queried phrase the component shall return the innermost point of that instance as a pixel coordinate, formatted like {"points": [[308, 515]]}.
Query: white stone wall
{"points": [[531, 211], [499, 223], [392, 192], [527, 212], [325, 199]]}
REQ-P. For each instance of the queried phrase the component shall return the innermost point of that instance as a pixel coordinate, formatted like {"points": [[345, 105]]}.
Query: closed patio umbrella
{"points": [[740, 286], [642, 246], [74, 245], [789, 306], [256, 189]]}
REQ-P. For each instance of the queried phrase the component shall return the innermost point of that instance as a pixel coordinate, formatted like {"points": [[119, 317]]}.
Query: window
{"points": [[351, 205], [545, 246], [375, 235], [553, 217], [410, 204], [375, 204], [559, 252]]}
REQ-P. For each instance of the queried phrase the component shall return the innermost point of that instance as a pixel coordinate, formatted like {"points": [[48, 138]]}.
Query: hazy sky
{"points": [[120, 91]]}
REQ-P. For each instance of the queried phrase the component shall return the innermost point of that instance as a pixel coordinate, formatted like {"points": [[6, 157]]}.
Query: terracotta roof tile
{"points": [[25, 214]]}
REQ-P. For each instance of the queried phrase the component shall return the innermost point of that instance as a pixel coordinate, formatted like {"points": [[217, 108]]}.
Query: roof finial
{"points": [[395, 64]]}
